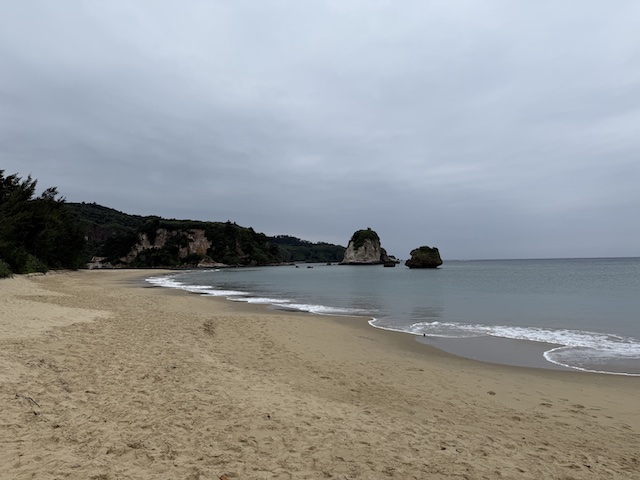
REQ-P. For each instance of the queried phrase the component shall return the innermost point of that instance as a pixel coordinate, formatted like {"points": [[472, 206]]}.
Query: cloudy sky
{"points": [[490, 129]]}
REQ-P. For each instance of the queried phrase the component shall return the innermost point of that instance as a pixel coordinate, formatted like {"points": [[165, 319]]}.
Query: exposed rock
{"points": [[198, 243], [98, 262], [364, 249], [207, 262], [424, 257], [190, 241], [144, 243]]}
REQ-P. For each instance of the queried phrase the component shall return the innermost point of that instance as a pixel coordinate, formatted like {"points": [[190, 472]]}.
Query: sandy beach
{"points": [[104, 378]]}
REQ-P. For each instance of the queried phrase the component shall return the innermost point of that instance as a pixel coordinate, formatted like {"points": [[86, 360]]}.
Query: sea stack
{"points": [[424, 257], [364, 249]]}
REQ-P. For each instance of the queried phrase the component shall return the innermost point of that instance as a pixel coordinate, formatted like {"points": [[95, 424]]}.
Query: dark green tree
{"points": [[36, 234]]}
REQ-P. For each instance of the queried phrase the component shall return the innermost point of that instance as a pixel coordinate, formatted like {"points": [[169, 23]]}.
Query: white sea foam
{"points": [[163, 281], [597, 360], [324, 310], [262, 300], [224, 293], [169, 281], [581, 350], [564, 337], [286, 304]]}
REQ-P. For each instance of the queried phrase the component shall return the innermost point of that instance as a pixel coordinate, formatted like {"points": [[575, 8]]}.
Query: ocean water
{"points": [[580, 313]]}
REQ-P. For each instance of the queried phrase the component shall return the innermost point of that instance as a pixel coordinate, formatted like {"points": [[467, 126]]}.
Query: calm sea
{"points": [[576, 313]]}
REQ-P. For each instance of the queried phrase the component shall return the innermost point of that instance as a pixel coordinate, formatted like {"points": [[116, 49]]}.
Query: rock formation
{"points": [[185, 243], [364, 249], [424, 257]]}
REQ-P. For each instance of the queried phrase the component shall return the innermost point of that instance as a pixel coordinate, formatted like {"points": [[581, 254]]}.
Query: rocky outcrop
{"points": [[98, 262], [199, 244], [206, 262], [364, 249], [190, 242], [424, 257]]}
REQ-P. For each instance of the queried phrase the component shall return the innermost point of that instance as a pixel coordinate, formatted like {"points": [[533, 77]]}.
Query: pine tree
{"points": [[36, 234]]}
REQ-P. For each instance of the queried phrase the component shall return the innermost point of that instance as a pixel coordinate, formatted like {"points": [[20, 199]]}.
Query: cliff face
{"points": [[116, 239], [184, 243], [223, 245], [364, 249]]}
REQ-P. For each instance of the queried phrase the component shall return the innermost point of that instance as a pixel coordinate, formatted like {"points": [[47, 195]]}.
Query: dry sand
{"points": [[101, 378]]}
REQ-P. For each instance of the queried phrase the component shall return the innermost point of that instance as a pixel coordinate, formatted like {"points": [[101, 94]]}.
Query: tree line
{"points": [[112, 234], [37, 233]]}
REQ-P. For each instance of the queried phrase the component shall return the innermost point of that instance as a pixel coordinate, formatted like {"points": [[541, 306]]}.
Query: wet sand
{"points": [[521, 353], [101, 378]]}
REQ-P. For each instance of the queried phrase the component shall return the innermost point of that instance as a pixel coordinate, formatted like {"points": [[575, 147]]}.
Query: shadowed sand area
{"points": [[101, 378]]}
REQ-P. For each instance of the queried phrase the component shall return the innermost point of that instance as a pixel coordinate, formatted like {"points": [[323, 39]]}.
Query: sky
{"points": [[492, 129]]}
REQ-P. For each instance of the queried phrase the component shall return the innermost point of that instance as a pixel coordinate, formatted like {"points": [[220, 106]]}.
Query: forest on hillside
{"points": [[39, 233], [112, 234]]}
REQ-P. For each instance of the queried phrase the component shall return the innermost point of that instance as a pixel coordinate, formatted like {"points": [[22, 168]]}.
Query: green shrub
{"points": [[5, 271], [35, 265], [361, 236]]}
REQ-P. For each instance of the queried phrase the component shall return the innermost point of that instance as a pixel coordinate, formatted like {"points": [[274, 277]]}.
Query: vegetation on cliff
{"points": [[424, 257], [359, 237], [293, 249], [36, 233], [113, 235], [45, 232]]}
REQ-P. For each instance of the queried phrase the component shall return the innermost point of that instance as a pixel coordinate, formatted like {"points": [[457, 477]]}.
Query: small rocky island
{"points": [[364, 249], [424, 257]]}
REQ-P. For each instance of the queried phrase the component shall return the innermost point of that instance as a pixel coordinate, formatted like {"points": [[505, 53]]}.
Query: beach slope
{"points": [[103, 378]]}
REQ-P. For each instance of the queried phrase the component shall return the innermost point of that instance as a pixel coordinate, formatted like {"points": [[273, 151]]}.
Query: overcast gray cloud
{"points": [[492, 129]]}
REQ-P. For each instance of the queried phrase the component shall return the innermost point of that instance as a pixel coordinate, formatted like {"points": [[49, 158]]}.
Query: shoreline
{"points": [[122, 381], [412, 343], [444, 346], [487, 349]]}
